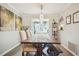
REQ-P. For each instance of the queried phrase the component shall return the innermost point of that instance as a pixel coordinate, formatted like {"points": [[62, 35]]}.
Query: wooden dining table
{"points": [[39, 44]]}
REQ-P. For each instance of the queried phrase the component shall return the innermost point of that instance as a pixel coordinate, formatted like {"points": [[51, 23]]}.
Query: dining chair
{"points": [[26, 48]]}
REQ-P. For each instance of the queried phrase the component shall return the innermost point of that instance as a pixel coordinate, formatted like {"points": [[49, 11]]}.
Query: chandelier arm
{"points": [[41, 15]]}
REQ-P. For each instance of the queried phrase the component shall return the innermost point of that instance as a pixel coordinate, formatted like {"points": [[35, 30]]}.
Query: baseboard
{"points": [[10, 49], [69, 50]]}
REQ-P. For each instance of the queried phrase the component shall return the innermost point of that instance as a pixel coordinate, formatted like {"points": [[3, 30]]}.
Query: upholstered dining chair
{"points": [[26, 48]]}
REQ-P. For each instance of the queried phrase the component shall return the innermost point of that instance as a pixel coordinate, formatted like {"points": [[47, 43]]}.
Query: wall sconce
{"points": [[61, 27]]}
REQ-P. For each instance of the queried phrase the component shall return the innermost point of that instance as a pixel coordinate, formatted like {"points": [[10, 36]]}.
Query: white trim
{"points": [[9, 49], [18, 12], [11, 8], [68, 50]]}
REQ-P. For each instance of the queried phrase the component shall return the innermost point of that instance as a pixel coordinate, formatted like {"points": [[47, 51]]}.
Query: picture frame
{"points": [[68, 19], [76, 17], [18, 23], [6, 19], [0, 18]]}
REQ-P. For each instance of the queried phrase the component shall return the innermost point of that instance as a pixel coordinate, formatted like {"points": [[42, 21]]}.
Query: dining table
{"points": [[39, 43]]}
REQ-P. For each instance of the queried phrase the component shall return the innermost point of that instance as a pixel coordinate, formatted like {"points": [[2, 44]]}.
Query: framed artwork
{"points": [[6, 19], [68, 19], [0, 18], [76, 17], [18, 23]]}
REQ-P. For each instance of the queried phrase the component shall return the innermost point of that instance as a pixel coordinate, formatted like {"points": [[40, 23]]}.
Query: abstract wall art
{"points": [[6, 19]]}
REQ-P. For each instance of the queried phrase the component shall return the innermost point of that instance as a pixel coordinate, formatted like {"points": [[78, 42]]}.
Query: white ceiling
{"points": [[35, 8]]}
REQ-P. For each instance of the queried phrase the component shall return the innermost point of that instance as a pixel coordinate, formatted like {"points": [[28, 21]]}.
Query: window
{"points": [[41, 27]]}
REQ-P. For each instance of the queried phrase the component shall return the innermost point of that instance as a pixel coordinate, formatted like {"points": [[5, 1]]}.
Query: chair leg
{"points": [[22, 53], [27, 53]]}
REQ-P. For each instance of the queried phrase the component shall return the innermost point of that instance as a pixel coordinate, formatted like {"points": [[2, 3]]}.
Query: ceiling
{"points": [[35, 8]]}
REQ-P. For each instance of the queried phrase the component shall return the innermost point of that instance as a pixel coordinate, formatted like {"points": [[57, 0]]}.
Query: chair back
{"points": [[23, 35], [29, 33]]}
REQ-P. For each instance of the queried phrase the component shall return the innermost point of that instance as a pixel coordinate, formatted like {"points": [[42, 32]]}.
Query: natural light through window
{"points": [[41, 27]]}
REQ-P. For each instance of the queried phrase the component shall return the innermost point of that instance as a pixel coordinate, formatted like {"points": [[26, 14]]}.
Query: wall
{"points": [[27, 20], [9, 39], [71, 31]]}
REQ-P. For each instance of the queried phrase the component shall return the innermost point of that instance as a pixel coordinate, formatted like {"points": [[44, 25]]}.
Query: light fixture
{"points": [[61, 27], [41, 15]]}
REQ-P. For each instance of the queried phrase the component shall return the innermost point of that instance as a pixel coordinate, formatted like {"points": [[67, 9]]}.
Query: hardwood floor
{"points": [[65, 52], [17, 52]]}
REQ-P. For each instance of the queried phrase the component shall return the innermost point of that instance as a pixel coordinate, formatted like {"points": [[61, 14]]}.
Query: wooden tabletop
{"points": [[27, 41]]}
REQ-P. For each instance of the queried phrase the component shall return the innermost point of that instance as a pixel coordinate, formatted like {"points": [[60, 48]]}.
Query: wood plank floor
{"points": [[65, 52], [17, 52]]}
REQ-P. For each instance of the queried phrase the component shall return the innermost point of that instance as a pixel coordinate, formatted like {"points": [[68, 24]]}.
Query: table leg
{"points": [[39, 50], [22, 53]]}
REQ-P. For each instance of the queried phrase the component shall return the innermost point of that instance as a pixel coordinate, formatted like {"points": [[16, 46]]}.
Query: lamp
{"points": [[61, 27], [60, 23]]}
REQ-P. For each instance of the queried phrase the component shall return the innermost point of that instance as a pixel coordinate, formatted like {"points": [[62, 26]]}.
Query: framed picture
{"points": [[76, 17], [0, 18], [6, 19], [18, 23], [68, 19]]}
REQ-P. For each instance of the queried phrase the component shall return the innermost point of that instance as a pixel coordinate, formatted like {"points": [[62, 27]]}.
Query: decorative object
{"points": [[55, 30], [25, 27], [6, 19], [68, 19], [76, 17]]}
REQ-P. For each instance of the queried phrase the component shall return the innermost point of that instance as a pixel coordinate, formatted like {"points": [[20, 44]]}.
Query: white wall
{"points": [[8, 39], [27, 19], [71, 31]]}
